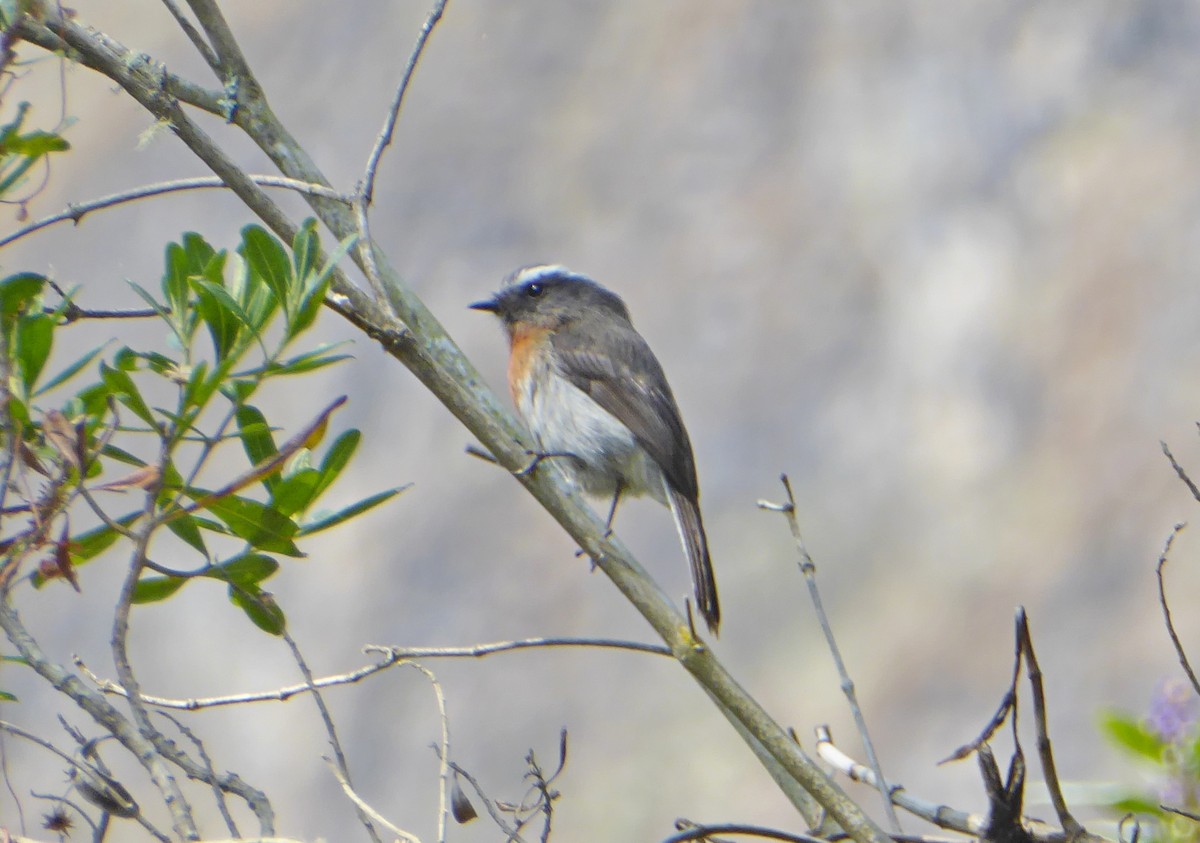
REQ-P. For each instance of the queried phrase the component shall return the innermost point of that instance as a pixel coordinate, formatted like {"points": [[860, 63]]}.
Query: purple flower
{"points": [[1174, 710]]}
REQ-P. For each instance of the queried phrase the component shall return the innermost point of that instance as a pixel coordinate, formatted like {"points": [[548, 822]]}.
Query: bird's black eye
{"points": [[534, 289]]}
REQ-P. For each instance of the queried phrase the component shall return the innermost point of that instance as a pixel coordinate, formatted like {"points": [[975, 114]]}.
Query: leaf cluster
{"points": [[232, 324]]}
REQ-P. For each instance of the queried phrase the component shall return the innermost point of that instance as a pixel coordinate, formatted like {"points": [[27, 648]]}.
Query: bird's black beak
{"points": [[490, 305]]}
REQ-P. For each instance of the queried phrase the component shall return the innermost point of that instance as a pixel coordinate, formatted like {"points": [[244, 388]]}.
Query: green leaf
{"points": [[175, 279], [5, 696], [306, 363], [239, 391], [1132, 735], [295, 493], [257, 440], [35, 335], [16, 291], [18, 410], [128, 360], [261, 526], [70, 372], [90, 544], [266, 258], [149, 299], [121, 455], [1136, 804], [186, 528], [316, 287], [199, 253], [336, 459], [36, 144], [221, 314], [306, 248], [121, 385], [204, 387], [350, 512], [153, 589], [260, 607], [194, 389], [17, 172], [246, 570]]}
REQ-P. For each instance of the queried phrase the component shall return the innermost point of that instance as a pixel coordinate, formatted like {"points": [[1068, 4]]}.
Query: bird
{"points": [[591, 391]]}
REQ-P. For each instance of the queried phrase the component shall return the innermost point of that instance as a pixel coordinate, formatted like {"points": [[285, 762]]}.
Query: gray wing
{"points": [[627, 381]]}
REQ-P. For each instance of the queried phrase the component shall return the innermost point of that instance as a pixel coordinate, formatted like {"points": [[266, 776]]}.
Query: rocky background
{"points": [[937, 261]]}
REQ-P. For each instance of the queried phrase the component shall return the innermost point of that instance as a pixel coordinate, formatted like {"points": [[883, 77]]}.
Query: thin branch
{"points": [[809, 570], [443, 750], [691, 831], [202, 46], [939, 815], [75, 212], [113, 722], [260, 470], [366, 808], [218, 794], [230, 63], [392, 656], [1070, 825], [1162, 599], [49, 35], [330, 729], [1183, 475], [177, 805], [384, 138], [513, 835], [343, 766], [366, 190], [94, 704]]}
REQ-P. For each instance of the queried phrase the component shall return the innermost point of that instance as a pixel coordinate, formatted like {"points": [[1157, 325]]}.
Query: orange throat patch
{"points": [[526, 345]]}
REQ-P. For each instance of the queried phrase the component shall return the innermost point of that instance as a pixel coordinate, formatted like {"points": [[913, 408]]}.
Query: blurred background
{"points": [[936, 261]]}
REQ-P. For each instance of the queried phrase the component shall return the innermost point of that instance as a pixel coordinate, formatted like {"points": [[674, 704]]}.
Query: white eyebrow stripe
{"points": [[531, 273]]}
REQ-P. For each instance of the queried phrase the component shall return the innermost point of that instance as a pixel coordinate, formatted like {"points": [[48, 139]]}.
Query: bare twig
{"points": [[1070, 825], [366, 808], [1181, 812], [75, 212], [392, 656], [113, 722], [366, 188], [343, 766], [443, 750], [940, 815], [692, 831], [809, 570], [202, 47], [513, 835], [226, 52], [1179, 470], [177, 805], [1162, 599], [262, 469], [218, 794], [384, 138]]}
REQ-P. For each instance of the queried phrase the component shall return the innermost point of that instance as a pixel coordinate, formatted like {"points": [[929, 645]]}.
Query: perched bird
{"points": [[592, 392]]}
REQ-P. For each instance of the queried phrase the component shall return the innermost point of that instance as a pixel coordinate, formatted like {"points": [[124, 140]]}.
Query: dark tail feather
{"points": [[695, 544]]}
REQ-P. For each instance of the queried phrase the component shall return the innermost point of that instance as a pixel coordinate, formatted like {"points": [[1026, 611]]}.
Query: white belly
{"points": [[564, 419]]}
